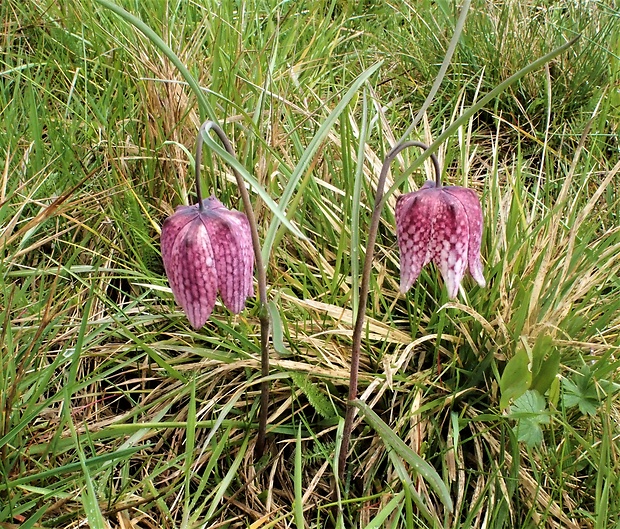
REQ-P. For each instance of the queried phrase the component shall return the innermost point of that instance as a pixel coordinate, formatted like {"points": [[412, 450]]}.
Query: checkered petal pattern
{"points": [[441, 225], [206, 252]]}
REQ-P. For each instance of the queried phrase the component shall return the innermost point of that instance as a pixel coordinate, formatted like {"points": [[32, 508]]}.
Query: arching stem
{"points": [[260, 272], [363, 294]]}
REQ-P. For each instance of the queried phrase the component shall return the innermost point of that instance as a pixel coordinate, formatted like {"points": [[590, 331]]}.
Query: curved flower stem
{"points": [[260, 271], [363, 295]]}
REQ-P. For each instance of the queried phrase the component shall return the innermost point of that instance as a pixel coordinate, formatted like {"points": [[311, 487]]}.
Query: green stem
{"points": [[363, 295], [260, 272], [380, 200]]}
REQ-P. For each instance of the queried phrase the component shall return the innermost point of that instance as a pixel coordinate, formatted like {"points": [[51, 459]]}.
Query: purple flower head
{"points": [[206, 251], [443, 225]]}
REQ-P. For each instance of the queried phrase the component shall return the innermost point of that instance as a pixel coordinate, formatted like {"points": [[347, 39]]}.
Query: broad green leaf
{"points": [[553, 396], [277, 335], [580, 390], [516, 378], [547, 372], [542, 348]]}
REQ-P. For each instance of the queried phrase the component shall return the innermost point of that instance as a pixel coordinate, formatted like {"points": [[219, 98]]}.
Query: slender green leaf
{"points": [[205, 106], [465, 116], [313, 146], [298, 503], [277, 210], [398, 445], [379, 518]]}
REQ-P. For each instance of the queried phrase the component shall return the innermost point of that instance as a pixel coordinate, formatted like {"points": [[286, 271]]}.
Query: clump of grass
{"points": [[514, 34]]}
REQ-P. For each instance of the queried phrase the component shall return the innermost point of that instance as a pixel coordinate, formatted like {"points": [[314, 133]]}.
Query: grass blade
{"points": [[273, 234], [398, 445], [206, 111], [297, 477], [465, 116]]}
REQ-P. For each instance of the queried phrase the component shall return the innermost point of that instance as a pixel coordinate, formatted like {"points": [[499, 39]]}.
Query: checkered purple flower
{"points": [[206, 250], [443, 225]]}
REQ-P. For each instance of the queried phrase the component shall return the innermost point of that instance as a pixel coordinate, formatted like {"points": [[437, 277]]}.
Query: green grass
{"points": [[115, 413]]}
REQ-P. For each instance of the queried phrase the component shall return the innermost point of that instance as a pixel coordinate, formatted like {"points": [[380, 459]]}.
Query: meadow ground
{"points": [[115, 413]]}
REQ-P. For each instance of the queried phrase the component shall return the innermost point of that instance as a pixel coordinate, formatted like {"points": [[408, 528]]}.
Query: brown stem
{"points": [[260, 272], [363, 295]]}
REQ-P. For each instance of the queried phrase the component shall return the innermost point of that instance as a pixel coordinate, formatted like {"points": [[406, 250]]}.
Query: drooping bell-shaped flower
{"points": [[443, 225], [205, 251]]}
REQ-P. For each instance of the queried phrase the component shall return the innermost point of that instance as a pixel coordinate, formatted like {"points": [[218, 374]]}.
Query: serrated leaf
{"points": [[528, 432], [580, 391], [530, 404], [530, 411], [516, 378], [315, 396]]}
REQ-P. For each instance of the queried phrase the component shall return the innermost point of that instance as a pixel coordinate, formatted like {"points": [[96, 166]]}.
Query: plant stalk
{"points": [[260, 271], [363, 295]]}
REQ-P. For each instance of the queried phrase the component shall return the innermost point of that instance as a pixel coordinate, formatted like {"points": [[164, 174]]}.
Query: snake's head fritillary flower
{"points": [[205, 251], [443, 225]]}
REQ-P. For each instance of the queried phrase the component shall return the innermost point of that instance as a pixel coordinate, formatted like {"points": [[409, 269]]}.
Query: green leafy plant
{"points": [[531, 414], [531, 368], [587, 388]]}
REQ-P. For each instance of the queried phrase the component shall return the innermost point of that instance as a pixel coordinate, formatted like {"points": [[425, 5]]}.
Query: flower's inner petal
{"points": [[415, 213], [473, 210], [234, 259], [192, 273], [450, 241]]}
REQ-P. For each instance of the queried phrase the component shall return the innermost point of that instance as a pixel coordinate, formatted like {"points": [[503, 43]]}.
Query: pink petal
{"points": [[171, 228], [450, 241], [231, 240], [189, 263], [473, 210], [415, 214]]}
